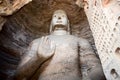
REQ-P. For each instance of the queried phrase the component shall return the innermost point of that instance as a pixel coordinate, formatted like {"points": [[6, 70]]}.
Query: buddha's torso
{"points": [[64, 65]]}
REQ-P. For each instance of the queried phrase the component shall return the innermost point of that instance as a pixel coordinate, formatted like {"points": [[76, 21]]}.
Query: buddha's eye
{"points": [[54, 15]]}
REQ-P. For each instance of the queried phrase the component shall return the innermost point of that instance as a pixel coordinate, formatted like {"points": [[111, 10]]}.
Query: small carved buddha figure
{"points": [[60, 55]]}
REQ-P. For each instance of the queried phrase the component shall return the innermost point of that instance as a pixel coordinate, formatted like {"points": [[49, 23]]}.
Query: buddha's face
{"points": [[59, 18], [59, 21]]}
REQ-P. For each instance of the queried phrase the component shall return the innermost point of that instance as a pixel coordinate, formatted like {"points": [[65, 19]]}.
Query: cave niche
{"points": [[33, 21]]}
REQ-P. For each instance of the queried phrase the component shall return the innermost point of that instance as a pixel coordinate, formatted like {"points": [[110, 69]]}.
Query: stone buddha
{"points": [[60, 55]]}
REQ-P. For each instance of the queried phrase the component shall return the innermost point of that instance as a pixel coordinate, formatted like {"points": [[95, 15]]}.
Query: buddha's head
{"points": [[59, 22]]}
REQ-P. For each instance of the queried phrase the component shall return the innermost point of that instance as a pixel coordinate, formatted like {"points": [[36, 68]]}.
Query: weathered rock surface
{"points": [[2, 21], [7, 7], [104, 20]]}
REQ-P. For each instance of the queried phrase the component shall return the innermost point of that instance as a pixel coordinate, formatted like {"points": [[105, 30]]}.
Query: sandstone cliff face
{"points": [[104, 19], [8, 7], [30, 22]]}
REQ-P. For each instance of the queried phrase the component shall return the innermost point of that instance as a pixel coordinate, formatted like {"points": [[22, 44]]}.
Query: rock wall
{"points": [[8, 7], [104, 20]]}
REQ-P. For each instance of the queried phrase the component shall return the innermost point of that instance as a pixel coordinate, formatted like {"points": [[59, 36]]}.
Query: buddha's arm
{"points": [[35, 56], [85, 54], [29, 68], [85, 47], [29, 63], [90, 64]]}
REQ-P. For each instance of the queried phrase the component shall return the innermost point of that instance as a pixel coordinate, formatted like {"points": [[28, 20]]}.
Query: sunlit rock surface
{"points": [[104, 20], [7, 7]]}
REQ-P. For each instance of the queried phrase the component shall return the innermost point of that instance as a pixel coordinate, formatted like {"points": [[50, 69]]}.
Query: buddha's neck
{"points": [[60, 32]]}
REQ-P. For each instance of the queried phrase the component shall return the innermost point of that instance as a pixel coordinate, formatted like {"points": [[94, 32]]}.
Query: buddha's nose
{"points": [[59, 17]]}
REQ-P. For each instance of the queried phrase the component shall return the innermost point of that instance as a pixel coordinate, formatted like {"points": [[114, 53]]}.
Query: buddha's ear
{"points": [[50, 29], [68, 25]]}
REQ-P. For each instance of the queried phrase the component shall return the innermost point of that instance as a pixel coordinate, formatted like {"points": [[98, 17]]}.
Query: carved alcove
{"points": [[33, 21]]}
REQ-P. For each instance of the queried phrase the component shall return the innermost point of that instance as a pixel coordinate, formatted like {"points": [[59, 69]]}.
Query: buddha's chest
{"points": [[64, 41]]}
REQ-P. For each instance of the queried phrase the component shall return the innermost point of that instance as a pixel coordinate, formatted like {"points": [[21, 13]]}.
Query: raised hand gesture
{"points": [[46, 48]]}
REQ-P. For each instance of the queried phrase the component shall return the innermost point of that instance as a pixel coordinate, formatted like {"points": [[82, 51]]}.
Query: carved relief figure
{"points": [[60, 55]]}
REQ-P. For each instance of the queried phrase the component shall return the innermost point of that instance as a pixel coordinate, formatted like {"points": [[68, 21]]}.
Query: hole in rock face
{"points": [[117, 24], [114, 73], [114, 29], [119, 18], [117, 51]]}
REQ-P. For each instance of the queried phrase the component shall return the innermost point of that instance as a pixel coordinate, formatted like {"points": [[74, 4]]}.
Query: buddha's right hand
{"points": [[46, 48]]}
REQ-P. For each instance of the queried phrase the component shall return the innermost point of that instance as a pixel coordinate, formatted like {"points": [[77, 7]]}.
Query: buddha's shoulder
{"points": [[36, 40]]}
